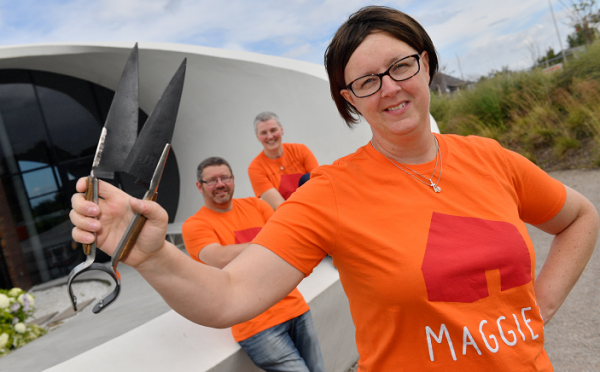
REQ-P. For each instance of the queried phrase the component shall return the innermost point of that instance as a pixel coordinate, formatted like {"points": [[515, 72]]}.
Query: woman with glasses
{"points": [[427, 231], [281, 167]]}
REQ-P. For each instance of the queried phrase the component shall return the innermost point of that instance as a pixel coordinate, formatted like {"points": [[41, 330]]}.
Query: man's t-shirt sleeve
{"points": [[264, 208], [197, 235]]}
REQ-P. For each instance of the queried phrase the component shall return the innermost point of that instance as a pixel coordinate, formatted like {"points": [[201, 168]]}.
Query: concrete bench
{"points": [[171, 342]]}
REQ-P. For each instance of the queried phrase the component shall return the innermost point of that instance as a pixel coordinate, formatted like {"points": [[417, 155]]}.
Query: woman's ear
{"points": [[347, 96], [425, 64]]}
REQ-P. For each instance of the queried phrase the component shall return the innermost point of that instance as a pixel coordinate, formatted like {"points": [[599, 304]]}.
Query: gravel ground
{"points": [[56, 299]]}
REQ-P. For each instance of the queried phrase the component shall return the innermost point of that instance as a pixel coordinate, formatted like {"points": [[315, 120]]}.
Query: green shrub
{"points": [[529, 111]]}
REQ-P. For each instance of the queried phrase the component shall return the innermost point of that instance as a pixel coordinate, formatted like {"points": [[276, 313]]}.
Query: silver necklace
{"points": [[276, 163], [414, 174]]}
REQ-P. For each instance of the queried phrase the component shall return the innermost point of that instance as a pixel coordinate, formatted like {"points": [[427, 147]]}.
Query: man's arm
{"points": [[249, 285], [273, 197], [218, 255], [576, 230]]}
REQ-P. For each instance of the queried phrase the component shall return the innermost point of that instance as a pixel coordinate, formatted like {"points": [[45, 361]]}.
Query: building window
{"points": [[49, 128]]}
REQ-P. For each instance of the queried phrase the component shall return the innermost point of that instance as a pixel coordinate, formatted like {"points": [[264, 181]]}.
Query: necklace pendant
{"points": [[435, 187]]}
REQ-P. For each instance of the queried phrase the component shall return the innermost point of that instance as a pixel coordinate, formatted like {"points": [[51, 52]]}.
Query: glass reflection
{"points": [[39, 182]]}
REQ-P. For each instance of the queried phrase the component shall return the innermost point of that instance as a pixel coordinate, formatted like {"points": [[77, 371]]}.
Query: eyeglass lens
{"points": [[214, 181], [401, 70]]}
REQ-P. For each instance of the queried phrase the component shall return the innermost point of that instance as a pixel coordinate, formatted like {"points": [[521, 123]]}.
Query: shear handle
{"points": [[91, 193], [132, 232], [137, 222], [115, 293]]}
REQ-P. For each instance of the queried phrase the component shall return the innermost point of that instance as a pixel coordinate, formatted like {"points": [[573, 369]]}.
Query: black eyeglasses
{"points": [[401, 70], [214, 181]]}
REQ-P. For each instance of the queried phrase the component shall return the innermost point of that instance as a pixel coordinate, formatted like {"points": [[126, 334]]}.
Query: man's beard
{"points": [[222, 198]]}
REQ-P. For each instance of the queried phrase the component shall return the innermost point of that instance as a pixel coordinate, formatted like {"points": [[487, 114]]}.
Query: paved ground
{"points": [[572, 337]]}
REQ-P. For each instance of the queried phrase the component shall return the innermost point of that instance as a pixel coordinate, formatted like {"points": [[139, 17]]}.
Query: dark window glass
{"points": [[49, 129], [73, 135], [21, 120]]}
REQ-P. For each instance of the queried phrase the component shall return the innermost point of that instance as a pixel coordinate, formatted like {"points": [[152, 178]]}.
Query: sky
{"points": [[473, 37]]}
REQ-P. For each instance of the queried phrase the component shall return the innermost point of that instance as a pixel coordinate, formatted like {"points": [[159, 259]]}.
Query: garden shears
{"points": [[120, 149]]}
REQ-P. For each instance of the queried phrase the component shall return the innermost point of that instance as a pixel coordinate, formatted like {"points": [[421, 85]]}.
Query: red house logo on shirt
{"points": [[461, 249], [245, 236]]}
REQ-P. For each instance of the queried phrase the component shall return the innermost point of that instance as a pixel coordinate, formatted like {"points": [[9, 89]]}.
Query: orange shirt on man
{"points": [[282, 173], [240, 225]]}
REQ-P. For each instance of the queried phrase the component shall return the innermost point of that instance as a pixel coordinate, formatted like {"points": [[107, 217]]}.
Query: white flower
{"points": [[20, 328], [3, 340], [4, 301], [15, 292], [25, 297]]}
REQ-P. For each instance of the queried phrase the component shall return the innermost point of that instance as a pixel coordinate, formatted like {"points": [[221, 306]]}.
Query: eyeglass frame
{"points": [[216, 180], [387, 72]]}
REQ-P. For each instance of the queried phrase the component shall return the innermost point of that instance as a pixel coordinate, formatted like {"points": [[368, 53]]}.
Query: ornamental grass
{"points": [[534, 113]]}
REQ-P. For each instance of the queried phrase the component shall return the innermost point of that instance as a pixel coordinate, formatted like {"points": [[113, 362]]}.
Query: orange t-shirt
{"points": [[240, 225], [267, 173], [435, 281]]}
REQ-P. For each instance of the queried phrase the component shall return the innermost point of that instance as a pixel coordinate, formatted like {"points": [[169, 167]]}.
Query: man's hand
{"points": [[114, 210]]}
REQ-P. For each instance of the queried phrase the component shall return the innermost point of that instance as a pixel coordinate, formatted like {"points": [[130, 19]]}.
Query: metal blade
{"points": [[157, 131], [121, 122]]}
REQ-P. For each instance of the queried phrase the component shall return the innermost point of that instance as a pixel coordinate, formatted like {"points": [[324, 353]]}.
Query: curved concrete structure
{"points": [[224, 90]]}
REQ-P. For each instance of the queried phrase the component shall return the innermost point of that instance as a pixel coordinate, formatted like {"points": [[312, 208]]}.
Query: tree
{"points": [[585, 17], [550, 55]]}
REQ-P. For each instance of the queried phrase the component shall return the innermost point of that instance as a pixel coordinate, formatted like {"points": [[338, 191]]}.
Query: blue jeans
{"points": [[291, 346]]}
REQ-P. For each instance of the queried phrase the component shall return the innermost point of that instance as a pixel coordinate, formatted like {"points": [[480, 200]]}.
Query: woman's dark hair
{"points": [[351, 34]]}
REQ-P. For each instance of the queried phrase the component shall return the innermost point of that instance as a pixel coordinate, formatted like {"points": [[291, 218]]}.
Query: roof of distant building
{"points": [[446, 83]]}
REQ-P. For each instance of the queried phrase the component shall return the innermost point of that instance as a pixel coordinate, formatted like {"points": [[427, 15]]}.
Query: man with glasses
{"points": [[284, 337]]}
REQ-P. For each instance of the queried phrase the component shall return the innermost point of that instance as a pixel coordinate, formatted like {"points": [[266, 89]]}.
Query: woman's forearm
{"points": [[220, 298], [569, 253]]}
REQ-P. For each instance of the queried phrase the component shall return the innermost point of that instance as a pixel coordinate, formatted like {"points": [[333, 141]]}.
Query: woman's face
{"points": [[269, 134], [398, 108]]}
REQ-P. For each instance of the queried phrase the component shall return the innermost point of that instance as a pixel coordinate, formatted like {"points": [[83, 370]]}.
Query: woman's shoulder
{"points": [[341, 165], [471, 144], [475, 141]]}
